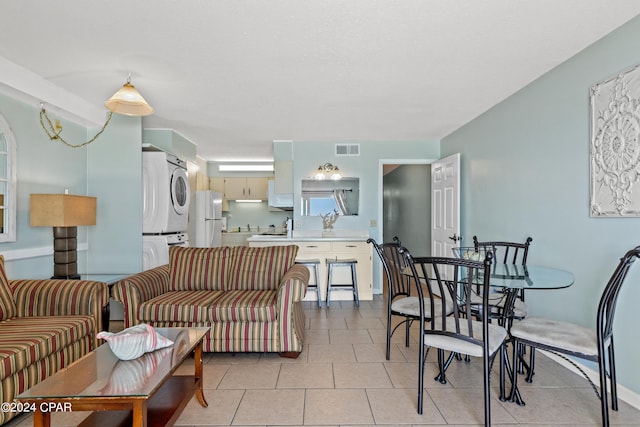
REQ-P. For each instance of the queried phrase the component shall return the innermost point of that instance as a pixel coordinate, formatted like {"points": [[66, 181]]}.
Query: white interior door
{"points": [[445, 205]]}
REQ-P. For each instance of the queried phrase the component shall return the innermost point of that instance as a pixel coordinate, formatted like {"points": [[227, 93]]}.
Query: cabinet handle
{"points": [[311, 246], [351, 246]]}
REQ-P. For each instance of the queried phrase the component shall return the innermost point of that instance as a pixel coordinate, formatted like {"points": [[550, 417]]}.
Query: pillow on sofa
{"points": [[194, 269], [260, 268], [7, 304]]}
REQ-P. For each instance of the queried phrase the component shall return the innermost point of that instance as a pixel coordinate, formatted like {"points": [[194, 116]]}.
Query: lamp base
{"points": [[65, 256]]}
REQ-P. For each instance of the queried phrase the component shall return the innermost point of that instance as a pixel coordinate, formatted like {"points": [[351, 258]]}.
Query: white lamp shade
{"points": [[129, 102]]}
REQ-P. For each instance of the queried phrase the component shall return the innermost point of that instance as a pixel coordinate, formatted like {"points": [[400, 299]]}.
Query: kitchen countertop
{"points": [[313, 236]]}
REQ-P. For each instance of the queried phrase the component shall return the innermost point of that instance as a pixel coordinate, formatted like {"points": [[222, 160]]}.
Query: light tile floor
{"points": [[342, 378]]}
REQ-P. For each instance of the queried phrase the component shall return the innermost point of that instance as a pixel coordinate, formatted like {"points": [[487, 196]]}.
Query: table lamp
{"points": [[63, 212]]}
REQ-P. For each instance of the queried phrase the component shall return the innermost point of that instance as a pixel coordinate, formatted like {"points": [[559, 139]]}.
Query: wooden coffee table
{"points": [[139, 392]]}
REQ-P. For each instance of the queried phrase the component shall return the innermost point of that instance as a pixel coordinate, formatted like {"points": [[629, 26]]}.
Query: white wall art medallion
{"points": [[615, 146]]}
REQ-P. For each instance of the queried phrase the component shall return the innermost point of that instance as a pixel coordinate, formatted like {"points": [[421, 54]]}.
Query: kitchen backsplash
{"points": [[254, 215]]}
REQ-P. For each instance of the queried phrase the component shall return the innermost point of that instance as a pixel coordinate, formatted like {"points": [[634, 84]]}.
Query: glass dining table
{"points": [[508, 279], [511, 276]]}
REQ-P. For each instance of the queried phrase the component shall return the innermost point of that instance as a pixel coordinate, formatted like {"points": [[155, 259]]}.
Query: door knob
{"points": [[455, 238]]}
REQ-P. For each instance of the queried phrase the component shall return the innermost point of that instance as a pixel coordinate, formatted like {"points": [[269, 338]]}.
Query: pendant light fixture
{"points": [[126, 101]]}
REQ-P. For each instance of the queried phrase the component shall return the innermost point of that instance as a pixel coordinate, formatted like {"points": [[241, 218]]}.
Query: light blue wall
{"points": [[525, 172], [308, 155], [115, 178], [109, 168], [43, 167], [172, 142]]}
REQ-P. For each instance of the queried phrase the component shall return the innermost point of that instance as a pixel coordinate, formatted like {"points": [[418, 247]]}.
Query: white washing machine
{"points": [[155, 248], [165, 193]]}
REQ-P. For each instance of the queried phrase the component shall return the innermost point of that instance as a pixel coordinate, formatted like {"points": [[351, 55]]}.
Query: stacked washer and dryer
{"points": [[165, 206]]}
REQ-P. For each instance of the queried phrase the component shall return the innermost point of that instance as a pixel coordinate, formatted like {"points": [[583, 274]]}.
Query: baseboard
{"points": [[624, 393]]}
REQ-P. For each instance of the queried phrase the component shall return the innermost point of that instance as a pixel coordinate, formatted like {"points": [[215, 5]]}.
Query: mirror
{"points": [[320, 197]]}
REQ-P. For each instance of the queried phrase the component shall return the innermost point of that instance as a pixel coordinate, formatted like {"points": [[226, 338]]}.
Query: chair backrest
{"points": [[609, 298], [395, 265], [506, 252], [447, 282]]}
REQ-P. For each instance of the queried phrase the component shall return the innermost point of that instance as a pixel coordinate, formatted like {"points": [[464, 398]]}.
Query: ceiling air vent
{"points": [[347, 149]]}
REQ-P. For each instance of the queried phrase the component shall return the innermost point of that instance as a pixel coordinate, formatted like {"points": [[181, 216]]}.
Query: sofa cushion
{"points": [[184, 306], [245, 306], [260, 268], [7, 304], [243, 337], [26, 340], [192, 269]]}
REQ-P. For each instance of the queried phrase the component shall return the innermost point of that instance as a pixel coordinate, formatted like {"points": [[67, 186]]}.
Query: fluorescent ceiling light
{"points": [[248, 201], [246, 168]]}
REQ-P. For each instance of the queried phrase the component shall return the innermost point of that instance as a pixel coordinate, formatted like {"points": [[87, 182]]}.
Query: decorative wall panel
{"points": [[615, 146]]}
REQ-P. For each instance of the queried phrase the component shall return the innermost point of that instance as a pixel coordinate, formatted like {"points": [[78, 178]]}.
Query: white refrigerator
{"points": [[208, 219]]}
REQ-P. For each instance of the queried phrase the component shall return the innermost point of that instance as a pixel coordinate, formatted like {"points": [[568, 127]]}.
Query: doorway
{"points": [[405, 205]]}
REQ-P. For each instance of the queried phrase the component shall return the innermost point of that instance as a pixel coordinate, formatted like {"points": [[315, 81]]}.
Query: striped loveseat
{"points": [[44, 326], [250, 297]]}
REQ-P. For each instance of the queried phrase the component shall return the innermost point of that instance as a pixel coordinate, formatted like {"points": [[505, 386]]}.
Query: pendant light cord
{"points": [[53, 132]]}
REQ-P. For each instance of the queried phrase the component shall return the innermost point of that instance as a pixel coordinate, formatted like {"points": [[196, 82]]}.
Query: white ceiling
{"points": [[234, 75]]}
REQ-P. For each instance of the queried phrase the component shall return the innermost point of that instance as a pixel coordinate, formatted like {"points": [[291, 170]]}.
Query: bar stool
{"points": [[313, 264], [353, 286]]}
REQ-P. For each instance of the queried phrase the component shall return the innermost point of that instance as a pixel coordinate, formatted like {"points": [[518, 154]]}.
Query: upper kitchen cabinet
{"points": [[216, 184], [246, 188]]}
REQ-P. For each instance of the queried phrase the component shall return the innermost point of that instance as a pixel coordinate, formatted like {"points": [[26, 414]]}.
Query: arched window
{"points": [[7, 182]]}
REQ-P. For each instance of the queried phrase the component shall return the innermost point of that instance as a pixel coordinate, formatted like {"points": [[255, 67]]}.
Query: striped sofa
{"points": [[44, 326], [250, 297]]}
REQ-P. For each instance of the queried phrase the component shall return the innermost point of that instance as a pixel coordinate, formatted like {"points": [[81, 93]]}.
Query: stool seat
{"points": [[314, 264], [353, 286], [346, 262]]}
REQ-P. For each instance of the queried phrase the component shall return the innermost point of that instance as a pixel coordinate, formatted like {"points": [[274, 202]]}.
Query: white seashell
{"points": [[135, 341]]}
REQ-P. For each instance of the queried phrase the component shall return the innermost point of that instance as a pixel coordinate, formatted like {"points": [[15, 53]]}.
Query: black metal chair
{"points": [[564, 338], [446, 281], [509, 253], [400, 301]]}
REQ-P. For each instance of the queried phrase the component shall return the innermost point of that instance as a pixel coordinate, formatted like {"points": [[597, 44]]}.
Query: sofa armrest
{"points": [[294, 283], [60, 298], [291, 291], [138, 288]]}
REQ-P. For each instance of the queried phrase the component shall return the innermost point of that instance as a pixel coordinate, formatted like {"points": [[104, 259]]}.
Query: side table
{"points": [[110, 280]]}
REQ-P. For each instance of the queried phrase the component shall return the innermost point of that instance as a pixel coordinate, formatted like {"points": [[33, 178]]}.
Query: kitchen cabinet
{"points": [[216, 184], [328, 248], [235, 239], [202, 182], [246, 188]]}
